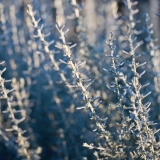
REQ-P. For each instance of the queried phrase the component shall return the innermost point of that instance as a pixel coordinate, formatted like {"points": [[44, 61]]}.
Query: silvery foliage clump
{"points": [[96, 97]]}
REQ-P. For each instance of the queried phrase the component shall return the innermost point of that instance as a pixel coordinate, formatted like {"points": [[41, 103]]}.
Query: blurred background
{"points": [[52, 121]]}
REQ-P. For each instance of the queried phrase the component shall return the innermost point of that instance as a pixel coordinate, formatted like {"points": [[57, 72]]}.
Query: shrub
{"points": [[85, 99]]}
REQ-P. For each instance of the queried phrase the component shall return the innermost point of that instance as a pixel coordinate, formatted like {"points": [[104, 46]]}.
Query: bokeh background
{"points": [[52, 121]]}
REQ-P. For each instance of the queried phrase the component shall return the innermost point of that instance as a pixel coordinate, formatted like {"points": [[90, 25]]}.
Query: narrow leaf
{"points": [[141, 64], [62, 61], [126, 52], [80, 108], [9, 130], [140, 75], [144, 96], [50, 43], [66, 31], [79, 64], [145, 85], [19, 120], [48, 34], [2, 62], [89, 84], [3, 70]]}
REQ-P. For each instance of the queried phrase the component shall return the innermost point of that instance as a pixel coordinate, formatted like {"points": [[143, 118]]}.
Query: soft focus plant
{"points": [[87, 92]]}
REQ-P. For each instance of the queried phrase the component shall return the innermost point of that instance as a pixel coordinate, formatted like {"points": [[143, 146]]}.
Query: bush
{"points": [[85, 99]]}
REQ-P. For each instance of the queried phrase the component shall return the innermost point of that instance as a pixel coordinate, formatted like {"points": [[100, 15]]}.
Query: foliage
{"points": [[96, 97]]}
